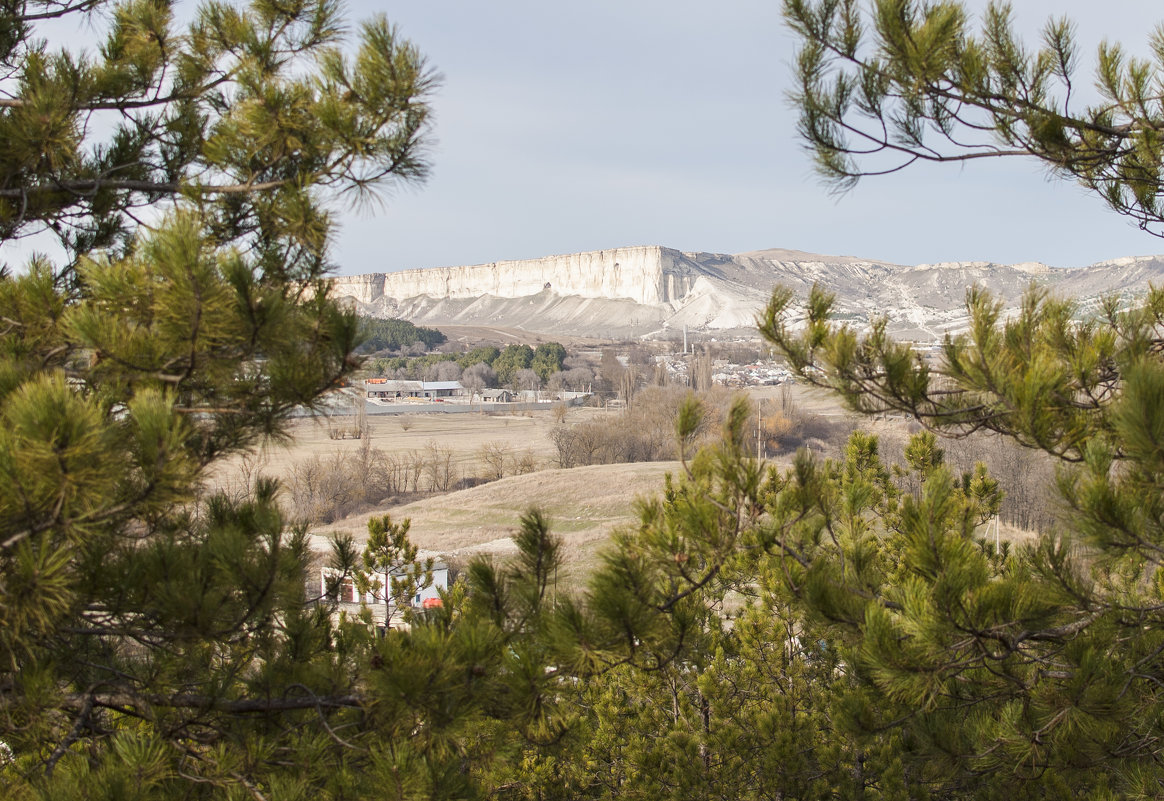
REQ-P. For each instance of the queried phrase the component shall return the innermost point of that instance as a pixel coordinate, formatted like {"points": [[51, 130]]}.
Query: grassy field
{"points": [[584, 505], [463, 434]]}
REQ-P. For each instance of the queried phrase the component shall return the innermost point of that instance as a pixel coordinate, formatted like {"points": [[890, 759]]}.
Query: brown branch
{"points": [[128, 701], [74, 734], [89, 185]]}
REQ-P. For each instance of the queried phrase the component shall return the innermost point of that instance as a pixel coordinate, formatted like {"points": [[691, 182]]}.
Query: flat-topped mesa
{"points": [[653, 291], [647, 274], [364, 288]]}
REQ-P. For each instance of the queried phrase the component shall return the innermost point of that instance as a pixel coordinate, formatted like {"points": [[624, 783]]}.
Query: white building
{"points": [[378, 600], [392, 389]]}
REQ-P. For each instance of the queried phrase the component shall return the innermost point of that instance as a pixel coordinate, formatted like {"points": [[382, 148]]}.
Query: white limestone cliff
{"points": [[649, 275], [653, 290]]}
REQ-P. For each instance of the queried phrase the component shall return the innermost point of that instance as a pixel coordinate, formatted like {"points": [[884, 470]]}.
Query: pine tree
{"points": [[548, 358], [1039, 662], [958, 671], [1036, 669], [720, 649], [512, 359], [157, 642], [888, 83]]}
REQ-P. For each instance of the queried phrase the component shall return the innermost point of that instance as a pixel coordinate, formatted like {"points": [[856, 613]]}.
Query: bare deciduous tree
{"points": [[477, 377], [494, 456], [559, 411], [528, 380], [439, 469], [448, 371], [579, 379]]}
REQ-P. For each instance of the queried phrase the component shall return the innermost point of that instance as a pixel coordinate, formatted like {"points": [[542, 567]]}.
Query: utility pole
{"points": [[759, 425]]}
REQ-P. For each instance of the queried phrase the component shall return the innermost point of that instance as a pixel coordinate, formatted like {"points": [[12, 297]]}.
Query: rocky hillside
{"points": [[657, 291]]}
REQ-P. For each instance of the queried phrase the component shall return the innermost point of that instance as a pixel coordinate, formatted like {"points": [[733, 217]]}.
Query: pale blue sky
{"points": [[569, 127]]}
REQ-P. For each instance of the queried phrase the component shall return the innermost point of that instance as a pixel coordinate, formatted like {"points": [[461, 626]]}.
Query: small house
{"points": [[440, 390], [348, 597], [394, 389]]}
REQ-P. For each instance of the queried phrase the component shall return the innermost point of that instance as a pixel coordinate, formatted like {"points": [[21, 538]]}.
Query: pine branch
{"points": [[125, 701]]}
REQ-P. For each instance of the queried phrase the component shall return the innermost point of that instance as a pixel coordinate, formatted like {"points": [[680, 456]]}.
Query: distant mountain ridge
{"points": [[652, 290]]}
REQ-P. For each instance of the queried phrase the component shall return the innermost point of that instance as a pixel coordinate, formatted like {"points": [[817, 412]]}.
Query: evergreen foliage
{"points": [[154, 642], [724, 640], [1042, 665], [548, 358], [812, 633], [884, 84], [251, 114], [395, 334], [1034, 671], [879, 645], [512, 359], [485, 354]]}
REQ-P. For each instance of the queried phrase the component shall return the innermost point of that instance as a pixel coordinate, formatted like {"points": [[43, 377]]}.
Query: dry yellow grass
{"points": [[584, 505], [463, 434]]}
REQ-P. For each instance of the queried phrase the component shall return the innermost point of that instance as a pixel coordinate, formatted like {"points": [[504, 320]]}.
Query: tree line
{"points": [[518, 366], [398, 335]]}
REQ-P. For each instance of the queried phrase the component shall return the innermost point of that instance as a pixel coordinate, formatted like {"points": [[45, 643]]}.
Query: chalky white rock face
{"points": [[653, 291], [364, 288], [649, 275]]}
